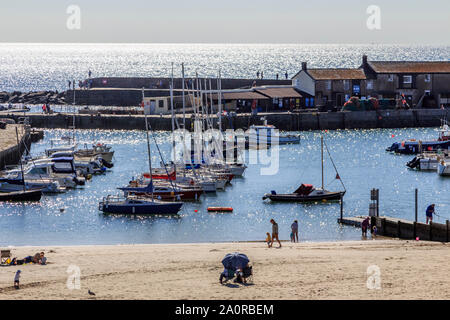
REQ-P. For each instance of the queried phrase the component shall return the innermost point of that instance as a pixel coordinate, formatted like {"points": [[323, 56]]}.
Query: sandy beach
{"points": [[333, 270]]}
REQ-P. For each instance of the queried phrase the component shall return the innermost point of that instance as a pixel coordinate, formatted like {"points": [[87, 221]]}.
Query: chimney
{"points": [[364, 60], [304, 66]]}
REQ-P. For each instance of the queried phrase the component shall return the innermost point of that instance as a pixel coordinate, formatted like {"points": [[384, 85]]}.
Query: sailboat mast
{"points": [[182, 94], [219, 85], [321, 147], [148, 140], [20, 159]]}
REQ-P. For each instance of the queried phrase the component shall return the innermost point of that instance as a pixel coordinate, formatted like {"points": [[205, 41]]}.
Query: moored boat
{"points": [[138, 206], [21, 196]]}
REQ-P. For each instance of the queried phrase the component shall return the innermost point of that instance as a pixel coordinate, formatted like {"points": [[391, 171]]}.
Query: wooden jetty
{"points": [[403, 229]]}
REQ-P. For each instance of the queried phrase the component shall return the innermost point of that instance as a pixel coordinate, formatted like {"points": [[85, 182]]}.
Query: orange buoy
{"points": [[220, 209]]}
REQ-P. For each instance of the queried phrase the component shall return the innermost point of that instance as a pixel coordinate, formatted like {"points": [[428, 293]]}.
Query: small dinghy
{"points": [[21, 196]]}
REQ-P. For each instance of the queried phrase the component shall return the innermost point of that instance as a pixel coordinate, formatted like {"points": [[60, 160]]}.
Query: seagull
{"points": [[91, 293]]}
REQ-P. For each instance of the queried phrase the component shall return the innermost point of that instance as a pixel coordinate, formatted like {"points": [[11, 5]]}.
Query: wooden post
{"points": [[378, 202], [383, 223], [446, 235], [431, 230], [342, 208], [416, 192], [398, 229], [415, 229]]}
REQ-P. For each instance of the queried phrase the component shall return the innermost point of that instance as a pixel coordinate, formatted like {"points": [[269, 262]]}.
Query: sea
{"points": [[73, 218]]}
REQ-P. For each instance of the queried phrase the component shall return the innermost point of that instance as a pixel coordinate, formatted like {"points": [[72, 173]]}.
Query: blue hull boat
{"points": [[412, 147], [138, 206]]}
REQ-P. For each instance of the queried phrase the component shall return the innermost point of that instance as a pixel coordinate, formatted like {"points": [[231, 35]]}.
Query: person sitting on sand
{"points": [[268, 240], [42, 259]]}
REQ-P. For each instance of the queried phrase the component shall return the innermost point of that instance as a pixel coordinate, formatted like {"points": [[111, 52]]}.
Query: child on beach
{"points": [[268, 239], [17, 279]]}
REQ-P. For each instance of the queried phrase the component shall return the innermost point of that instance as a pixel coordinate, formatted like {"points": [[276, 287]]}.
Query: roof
{"points": [[278, 92], [336, 74], [241, 95], [410, 66]]}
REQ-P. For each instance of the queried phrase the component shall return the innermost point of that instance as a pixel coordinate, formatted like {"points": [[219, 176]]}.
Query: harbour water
{"points": [[359, 155], [35, 67]]}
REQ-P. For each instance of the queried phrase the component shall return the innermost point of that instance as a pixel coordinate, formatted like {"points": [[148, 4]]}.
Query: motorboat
{"points": [[413, 146], [427, 161], [260, 135], [98, 149], [443, 168]]}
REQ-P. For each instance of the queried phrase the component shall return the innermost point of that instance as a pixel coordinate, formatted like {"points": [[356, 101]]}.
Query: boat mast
{"points": [[182, 94], [219, 85], [321, 154], [148, 143], [20, 159]]}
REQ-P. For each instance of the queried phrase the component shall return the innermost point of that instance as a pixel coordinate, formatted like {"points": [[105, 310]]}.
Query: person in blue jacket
{"points": [[429, 213]]}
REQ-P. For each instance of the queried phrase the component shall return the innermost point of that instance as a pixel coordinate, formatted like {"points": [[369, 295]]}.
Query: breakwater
{"points": [[283, 121], [10, 151]]}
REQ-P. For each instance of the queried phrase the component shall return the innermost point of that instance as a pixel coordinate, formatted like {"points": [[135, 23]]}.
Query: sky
{"points": [[230, 21]]}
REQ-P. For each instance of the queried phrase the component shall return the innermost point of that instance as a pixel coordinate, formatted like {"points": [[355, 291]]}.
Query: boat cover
{"points": [[304, 189]]}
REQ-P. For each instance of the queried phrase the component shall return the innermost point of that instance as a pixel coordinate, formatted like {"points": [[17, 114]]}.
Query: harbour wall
{"points": [[282, 121], [10, 155], [128, 91]]}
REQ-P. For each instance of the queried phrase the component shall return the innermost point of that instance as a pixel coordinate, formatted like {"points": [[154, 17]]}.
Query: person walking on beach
{"points": [[17, 279], [262, 74], [286, 75], [257, 74], [429, 213], [277, 76], [274, 232], [294, 228]]}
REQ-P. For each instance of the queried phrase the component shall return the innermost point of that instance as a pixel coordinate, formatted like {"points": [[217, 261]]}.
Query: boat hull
{"points": [[294, 197], [21, 196], [142, 209]]}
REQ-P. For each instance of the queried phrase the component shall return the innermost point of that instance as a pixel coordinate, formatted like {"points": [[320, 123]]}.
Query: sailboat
{"points": [[307, 192], [131, 204]]}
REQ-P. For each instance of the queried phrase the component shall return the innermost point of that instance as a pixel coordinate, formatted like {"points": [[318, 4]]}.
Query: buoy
{"points": [[195, 210], [417, 238], [393, 135], [220, 209]]}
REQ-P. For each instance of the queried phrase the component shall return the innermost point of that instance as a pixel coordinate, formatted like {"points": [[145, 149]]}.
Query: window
{"points": [[369, 84], [346, 84], [306, 102], [391, 78], [161, 103], [427, 77], [328, 85], [407, 79]]}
